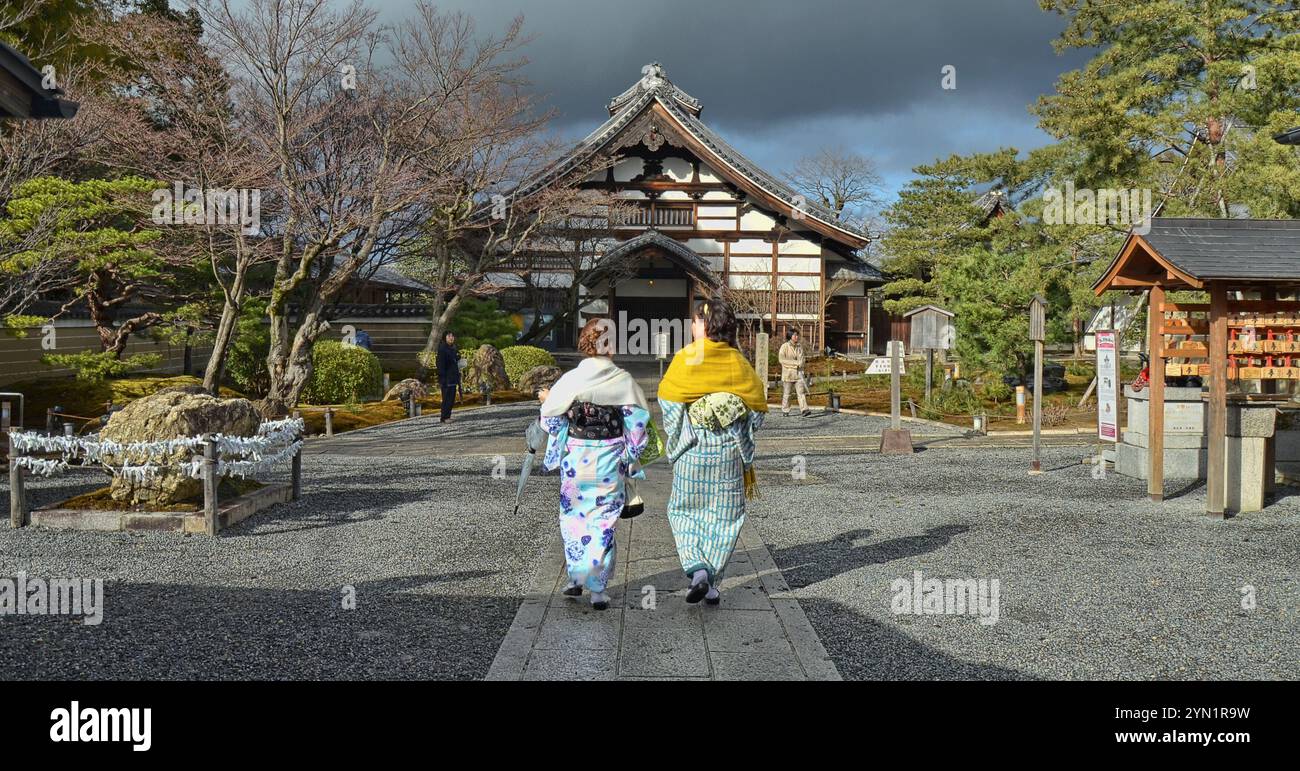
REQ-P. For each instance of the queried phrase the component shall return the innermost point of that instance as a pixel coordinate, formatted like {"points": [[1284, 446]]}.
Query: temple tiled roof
{"points": [[655, 86], [676, 251]]}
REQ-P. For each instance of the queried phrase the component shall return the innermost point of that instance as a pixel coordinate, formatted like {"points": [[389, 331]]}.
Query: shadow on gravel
{"points": [[398, 630], [865, 649], [809, 563]]}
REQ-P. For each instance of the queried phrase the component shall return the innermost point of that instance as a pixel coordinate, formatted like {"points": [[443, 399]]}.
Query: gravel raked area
{"points": [[438, 563], [1095, 581]]}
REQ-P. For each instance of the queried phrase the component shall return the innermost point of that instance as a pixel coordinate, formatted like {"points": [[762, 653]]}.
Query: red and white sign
{"points": [[1107, 386]]}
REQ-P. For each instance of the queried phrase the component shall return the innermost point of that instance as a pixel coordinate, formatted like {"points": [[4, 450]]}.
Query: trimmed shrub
{"points": [[98, 365], [342, 373], [481, 322], [246, 356], [521, 358]]}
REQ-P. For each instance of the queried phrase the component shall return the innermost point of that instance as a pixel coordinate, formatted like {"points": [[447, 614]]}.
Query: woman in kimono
{"points": [[596, 416], [712, 403]]}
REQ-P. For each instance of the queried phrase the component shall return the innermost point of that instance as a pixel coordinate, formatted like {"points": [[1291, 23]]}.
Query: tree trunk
{"points": [[215, 371], [295, 370], [440, 319]]}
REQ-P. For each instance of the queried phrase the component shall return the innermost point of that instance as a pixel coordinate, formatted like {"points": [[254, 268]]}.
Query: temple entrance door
{"points": [[649, 314]]}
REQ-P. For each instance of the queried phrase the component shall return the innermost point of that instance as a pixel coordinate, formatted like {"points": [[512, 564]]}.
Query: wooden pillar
{"points": [[823, 304], [895, 385], [295, 474], [1036, 465], [1215, 490], [1156, 404], [17, 494], [210, 487]]}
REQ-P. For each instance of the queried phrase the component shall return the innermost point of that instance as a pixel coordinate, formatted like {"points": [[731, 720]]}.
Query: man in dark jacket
{"points": [[448, 373]]}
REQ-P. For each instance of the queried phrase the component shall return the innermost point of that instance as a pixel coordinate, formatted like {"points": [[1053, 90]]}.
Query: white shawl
{"points": [[596, 380]]}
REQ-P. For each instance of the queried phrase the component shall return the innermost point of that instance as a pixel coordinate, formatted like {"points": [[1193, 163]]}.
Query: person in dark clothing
{"points": [[448, 373]]}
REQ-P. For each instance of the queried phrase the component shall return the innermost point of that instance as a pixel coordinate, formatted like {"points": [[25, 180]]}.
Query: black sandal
{"points": [[573, 591], [713, 601], [697, 592]]}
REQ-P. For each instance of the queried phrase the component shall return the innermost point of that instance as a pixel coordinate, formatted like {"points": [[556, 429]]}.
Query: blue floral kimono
{"points": [[593, 474], [707, 506]]}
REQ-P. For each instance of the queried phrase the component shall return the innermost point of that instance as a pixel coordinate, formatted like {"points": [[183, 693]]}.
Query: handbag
{"points": [[654, 445]]}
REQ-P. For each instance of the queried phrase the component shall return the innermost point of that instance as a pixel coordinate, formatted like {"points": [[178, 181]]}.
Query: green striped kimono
{"points": [[707, 506]]}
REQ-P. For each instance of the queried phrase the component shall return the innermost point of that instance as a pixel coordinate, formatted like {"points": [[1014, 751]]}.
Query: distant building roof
{"points": [[860, 270], [1194, 251], [1289, 137], [23, 94], [935, 308], [992, 203]]}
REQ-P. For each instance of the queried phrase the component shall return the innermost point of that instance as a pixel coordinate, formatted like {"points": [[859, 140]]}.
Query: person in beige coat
{"points": [[792, 359]]}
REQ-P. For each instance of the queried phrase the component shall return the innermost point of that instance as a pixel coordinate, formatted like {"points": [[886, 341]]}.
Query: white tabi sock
{"points": [[699, 576], [713, 593]]}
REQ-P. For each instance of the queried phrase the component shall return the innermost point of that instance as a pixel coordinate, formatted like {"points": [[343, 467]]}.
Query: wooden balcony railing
{"points": [[660, 215]]}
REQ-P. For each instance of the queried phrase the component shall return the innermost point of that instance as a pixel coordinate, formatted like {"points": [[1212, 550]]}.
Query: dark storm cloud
{"points": [[780, 79]]}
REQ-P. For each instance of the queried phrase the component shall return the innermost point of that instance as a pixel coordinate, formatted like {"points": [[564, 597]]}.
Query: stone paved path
{"points": [[649, 632]]}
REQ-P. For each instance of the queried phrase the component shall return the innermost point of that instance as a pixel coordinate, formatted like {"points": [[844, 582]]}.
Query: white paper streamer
{"points": [[45, 467], [276, 441]]}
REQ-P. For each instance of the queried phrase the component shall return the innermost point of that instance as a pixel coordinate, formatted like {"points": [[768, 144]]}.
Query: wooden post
{"points": [[1215, 490], [1156, 403], [17, 494], [1037, 466], [385, 393], [895, 385], [49, 421], [329, 421], [929, 372], [210, 486], [295, 474]]}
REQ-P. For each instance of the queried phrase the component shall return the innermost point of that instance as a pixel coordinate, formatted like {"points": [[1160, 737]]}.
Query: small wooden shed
{"points": [[1244, 332], [931, 328]]}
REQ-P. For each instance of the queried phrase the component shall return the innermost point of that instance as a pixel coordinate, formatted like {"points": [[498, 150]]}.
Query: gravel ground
{"points": [[438, 570], [1096, 582]]}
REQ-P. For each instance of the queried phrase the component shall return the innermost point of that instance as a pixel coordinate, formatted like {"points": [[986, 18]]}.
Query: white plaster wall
{"points": [[627, 169], [679, 169], [798, 264], [799, 283], [799, 246], [705, 246], [751, 246], [749, 282], [756, 220], [751, 264]]}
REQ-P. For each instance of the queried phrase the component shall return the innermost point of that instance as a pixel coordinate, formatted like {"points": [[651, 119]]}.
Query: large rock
{"points": [[487, 369], [173, 413], [539, 377], [405, 389]]}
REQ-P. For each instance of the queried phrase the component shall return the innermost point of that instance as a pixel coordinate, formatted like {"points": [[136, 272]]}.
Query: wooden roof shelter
{"points": [[22, 94], [1245, 332]]}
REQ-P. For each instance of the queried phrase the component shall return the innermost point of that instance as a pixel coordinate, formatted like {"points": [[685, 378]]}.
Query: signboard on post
{"points": [[1107, 385]]}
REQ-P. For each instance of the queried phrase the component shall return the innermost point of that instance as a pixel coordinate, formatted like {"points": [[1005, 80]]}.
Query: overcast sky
{"points": [[780, 79]]}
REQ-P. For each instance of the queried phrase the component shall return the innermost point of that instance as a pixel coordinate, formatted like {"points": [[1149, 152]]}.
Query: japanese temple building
{"points": [[705, 217]]}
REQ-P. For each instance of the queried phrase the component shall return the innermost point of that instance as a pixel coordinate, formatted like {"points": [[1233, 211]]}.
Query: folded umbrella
{"points": [[535, 439]]}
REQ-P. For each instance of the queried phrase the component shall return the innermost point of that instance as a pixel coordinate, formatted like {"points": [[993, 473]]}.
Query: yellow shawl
{"points": [[706, 367]]}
